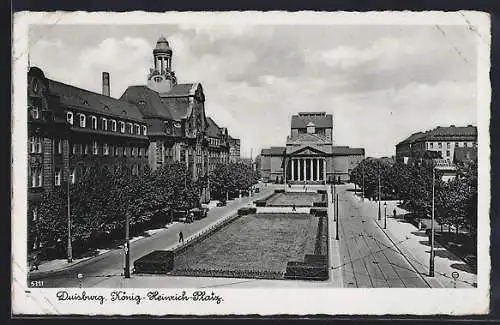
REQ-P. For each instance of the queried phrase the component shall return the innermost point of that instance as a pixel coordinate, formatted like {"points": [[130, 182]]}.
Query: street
{"points": [[111, 264], [368, 258]]}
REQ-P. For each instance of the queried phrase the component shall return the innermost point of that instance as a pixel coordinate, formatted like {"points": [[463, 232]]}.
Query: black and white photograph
{"points": [[251, 163]]}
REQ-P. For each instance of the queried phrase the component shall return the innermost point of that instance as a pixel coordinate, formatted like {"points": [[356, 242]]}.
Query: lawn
{"points": [[289, 198], [263, 242]]}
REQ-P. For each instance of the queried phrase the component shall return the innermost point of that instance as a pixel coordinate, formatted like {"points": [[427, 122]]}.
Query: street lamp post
{"points": [[363, 187], [431, 258], [379, 212], [337, 215], [385, 215], [69, 248], [127, 245]]}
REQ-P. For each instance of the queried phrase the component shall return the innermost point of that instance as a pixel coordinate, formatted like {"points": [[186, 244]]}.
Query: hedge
{"points": [[246, 210], [156, 262], [319, 212], [279, 191], [316, 259], [321, 191], [224, 273], [320, 204], [306, 271]]}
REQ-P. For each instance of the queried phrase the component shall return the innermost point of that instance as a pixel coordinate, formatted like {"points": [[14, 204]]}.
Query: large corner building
{"points": [[310, 155], [71, 130]]}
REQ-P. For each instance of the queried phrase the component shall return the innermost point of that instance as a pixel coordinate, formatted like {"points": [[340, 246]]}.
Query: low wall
{"points": [[283, 210]]}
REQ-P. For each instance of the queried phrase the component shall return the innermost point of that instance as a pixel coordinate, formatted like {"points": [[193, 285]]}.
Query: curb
{"points": [[404, 255], [43, 274]]}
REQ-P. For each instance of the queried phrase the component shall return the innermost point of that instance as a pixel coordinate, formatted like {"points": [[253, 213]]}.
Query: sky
{"points": [[380, 82]]}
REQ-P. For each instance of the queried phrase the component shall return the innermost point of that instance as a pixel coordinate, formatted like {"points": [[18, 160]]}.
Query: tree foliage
{"points": [[455, 200]]}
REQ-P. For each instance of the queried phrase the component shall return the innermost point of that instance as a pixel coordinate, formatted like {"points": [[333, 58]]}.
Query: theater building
{"points": [[310, 155]]}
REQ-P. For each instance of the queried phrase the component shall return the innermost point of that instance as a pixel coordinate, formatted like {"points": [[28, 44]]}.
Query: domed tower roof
{"points": [[162, 46]]}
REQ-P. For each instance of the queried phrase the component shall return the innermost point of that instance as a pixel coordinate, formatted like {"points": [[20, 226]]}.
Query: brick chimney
{"points": [[105, 84]]}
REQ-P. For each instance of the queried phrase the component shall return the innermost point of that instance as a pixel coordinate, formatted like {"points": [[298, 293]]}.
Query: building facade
{"points": [[175, 114], [71, 130], [310, 155], [234, 149], [438, 143]]}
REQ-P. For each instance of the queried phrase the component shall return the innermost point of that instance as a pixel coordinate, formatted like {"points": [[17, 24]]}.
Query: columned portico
{"points": [[302, 169]]}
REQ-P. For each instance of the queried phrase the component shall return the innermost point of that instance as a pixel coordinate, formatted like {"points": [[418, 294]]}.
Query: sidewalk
{"points": [[139, 245], [336, 278], [415, 246]]}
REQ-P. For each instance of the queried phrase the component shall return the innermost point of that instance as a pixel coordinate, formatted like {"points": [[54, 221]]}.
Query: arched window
{"points": [[69, 117], [104, 124], [82, 120], [94, 122], [122, 127], [113, 125]]}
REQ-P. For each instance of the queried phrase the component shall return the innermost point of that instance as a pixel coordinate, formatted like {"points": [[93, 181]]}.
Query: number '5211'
{"points": [[36, 283]]}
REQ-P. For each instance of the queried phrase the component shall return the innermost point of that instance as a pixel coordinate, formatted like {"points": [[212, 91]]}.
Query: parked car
{"points": [[183, 216], [199, 213]]}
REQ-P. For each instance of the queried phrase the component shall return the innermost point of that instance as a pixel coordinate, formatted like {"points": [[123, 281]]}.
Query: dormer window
{"points": [[94, 122], [85, 102], [69, 117], [124, 112], [82, 120], [113, 125], [122, 127], [106, 108]]}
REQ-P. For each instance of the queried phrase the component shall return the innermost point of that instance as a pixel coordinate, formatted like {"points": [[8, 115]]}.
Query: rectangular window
{"points": [[82, 121], [116, 151], [447, 145], [456, 144], [35, 113], [122, 127], [134, 152], [104, 124], [440, 145], [72, 176], [36, 177], [32, 145], [140, 152], [113, 125], [57, 177], [86, 149], [69, 117], [431, 145], [144, 130], [105, 149], [59, 146], [94, 147], [73, 149], [465, 144], [447, 153]]}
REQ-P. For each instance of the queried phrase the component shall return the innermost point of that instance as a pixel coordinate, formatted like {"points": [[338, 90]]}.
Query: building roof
{"points": [[343, 150], [462, 154], [320, 120], [148, 101], [273, 151], [450, 133], [162, 46], [308, 137], [213, 130], [94, 102], [181, 90]]}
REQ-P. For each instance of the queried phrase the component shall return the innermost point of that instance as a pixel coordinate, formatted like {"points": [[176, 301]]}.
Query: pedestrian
{"points": [[181, 237], [394, 213]]}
